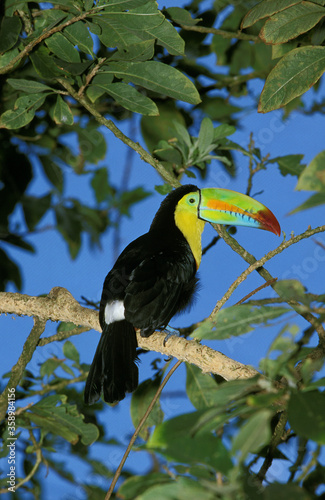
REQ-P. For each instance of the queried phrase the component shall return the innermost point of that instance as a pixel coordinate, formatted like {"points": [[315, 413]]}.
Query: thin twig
{"points": [[138, 429], [62, 335], [268, 283], [210, 245], [258, 266], [275, 441], [224, 34]]}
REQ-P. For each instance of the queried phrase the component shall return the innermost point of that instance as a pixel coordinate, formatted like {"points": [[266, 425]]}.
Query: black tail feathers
{"points": [[113, 370]]}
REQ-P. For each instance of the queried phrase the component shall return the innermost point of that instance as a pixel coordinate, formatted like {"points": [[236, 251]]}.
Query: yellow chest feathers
{"points": [[191, 227]]}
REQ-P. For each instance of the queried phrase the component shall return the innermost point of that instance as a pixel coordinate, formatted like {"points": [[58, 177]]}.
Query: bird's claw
{"points": [[170, 332]]}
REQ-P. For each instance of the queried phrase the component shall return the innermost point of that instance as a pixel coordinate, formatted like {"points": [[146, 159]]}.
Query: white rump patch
{"points": [[114, 311]]}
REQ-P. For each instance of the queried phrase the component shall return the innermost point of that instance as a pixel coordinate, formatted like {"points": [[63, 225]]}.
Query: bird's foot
{"points": [[170, 332]]}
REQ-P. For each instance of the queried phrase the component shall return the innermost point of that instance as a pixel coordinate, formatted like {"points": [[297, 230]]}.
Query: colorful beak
{"points": [[222, 206]]}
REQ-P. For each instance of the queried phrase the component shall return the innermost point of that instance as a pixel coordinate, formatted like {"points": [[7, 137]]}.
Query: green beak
{"points": [[222, 206]]}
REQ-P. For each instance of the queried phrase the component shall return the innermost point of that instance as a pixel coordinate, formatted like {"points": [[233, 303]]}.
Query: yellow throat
{"points": [[191, 227]]}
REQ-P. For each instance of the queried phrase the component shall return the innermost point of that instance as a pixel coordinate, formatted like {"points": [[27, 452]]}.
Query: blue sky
{"points": [[51, 265]]}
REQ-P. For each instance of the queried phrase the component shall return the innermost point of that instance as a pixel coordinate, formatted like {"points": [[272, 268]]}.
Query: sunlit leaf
{"points": [[313, 176], [294, 74], [291, 22]]}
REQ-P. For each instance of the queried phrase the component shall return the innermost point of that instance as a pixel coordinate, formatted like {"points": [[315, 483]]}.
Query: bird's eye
{"points": [[191, 200]]}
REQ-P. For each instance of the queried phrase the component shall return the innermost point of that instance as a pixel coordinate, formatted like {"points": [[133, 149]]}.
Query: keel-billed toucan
{"points": [[155, 277]]}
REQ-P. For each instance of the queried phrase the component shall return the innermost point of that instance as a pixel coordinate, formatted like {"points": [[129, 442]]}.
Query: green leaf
{"points": [[266, 9], [200, 387], [62, 48], [7, 57], [173, 439], [62, 113], [289, 164], [291, 290], [167, 36], [313, 176], [92, 144], [140, 401], [44, 64], [28, 86], [127, 96], [282, 491], [70, 351], [161, 127], [156, 76], [141, 51], [223, 131], [63, 420], [35, 208], [128, 198], [314, 201], [9, 272], [167, 152], [128, 27], [69, 224], [206, 134], [49, 366], [53, 172], [306, 415], [79, 35], [65, 326], [182, 16], [25, 108], [71, 67], [236, 320], [100, 185], [294, 74], [291, 22], [184, 488], [136, 485], [9, 32], [253, 435]]}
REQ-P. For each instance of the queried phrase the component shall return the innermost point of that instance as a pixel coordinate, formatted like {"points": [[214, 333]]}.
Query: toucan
{"points": [[155, 277]]}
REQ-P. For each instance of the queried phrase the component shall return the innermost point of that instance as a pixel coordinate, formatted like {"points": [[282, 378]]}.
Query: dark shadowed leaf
{"points": [[35, 208], [63, 420], [306, 412], [9, 32], [140, 401], [172, 439]]}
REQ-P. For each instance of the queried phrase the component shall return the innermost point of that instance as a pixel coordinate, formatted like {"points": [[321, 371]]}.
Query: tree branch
{"points": [[24, 358], [60, 305], [257, 265], [144, 155]]}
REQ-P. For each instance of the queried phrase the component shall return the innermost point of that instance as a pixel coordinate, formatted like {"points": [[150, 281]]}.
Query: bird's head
{"points": [[223, 206]]}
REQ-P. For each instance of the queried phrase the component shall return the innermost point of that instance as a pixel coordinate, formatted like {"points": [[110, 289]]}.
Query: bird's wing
{"points": [[159, 287]]}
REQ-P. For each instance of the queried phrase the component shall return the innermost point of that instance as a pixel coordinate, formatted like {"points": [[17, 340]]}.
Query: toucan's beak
{"points": [[222, 206]]}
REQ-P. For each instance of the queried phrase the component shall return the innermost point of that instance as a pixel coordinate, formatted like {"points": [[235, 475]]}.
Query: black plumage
{"points": [[154, 278]]}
